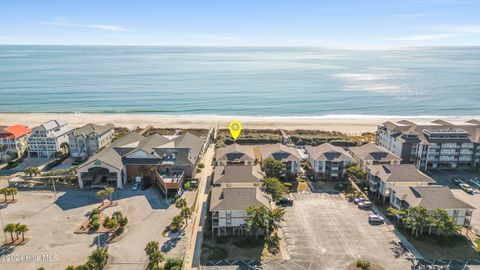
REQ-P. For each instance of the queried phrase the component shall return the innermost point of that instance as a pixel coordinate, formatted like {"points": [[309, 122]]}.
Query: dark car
{"points": [[285, 202]]}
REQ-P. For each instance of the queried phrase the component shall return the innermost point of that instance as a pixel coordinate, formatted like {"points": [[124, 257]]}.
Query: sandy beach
{"points": [[353, 125]]}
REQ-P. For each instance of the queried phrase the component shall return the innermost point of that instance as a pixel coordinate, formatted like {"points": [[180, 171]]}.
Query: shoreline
{"points": [[349, 124]]}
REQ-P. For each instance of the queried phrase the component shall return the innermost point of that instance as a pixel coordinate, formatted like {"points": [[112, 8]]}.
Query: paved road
{"points": [[192, 258]]}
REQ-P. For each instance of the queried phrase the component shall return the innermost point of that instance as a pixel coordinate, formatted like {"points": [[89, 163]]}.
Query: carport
{"points": [[99, 174]]}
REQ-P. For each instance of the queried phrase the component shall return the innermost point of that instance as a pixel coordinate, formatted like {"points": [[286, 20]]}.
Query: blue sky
{"points": [[355, 23]]}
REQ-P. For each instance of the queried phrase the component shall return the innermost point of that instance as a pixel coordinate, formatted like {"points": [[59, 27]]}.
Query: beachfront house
{"points": [[14, 139], [371, 154], [383, 178], [328, 161], [437, 144], [47, 139], [89, 139], [228, 208], [164, 161], [432, 197], [235, 154], [288, 155]]}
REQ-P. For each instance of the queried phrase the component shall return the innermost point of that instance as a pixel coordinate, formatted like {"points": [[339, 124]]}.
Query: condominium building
{"points": [[228, 207], [288, 155], [328, 161], [235, 154], [14, 138], [87, 140], [47, 139], [432, 197], [371, 154], [432, 145]]}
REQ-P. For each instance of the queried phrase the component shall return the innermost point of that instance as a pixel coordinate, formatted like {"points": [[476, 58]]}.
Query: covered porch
{"points": [[97, 175]]}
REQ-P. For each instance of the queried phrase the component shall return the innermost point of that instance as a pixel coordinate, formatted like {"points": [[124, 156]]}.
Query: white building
{"points": [[229, 205], [288, 155], [235, 154], [431, 198], [383, 178], [432, 145], [371, 154], [47, 139], [87, 140], [328, 161]]}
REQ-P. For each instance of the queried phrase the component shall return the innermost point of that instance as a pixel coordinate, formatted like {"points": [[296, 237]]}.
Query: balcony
{"points": [[172, 179]]}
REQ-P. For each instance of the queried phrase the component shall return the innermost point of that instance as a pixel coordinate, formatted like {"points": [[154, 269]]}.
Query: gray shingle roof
{"points": [[279, 151], [235, 153], [187, 147], [370, 151], [399, 173], [237, 174], [90, 128], [109, 155], [430, 197], [328, 152], [237, 198]]}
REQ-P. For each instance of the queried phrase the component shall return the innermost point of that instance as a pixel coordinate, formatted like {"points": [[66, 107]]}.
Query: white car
{"points": [[136, 186], [375, 219]]}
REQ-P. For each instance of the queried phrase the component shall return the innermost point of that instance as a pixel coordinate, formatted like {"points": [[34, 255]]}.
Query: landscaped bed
{"points": [[235, 248]]}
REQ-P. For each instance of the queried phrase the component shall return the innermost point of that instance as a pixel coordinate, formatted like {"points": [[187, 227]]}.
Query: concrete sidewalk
{"points": [[192, 257]]}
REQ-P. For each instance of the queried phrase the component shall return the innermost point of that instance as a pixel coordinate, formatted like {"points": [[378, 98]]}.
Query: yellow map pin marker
{"points": [[235, 129]]}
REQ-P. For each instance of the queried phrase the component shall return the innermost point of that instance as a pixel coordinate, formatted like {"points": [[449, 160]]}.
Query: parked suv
{"points": [[285, 202], [359, 200], [365, 205], [467, 188]]}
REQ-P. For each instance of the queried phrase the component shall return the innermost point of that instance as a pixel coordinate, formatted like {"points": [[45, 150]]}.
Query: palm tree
{"points": [[4, 192], [22, 228], [10, 228], [101, 194], [180, 203], [186, 213], [155, 257], [13, 192], [108, 193], [17, 232]]}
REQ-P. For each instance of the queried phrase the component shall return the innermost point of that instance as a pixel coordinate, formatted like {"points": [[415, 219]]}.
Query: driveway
{"points": [[325, 231]]}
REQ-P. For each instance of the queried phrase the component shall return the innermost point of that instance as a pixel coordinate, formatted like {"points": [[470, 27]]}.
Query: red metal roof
{"points": [[14, 131]]}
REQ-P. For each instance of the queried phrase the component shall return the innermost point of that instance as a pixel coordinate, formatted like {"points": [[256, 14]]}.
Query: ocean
{"points": [[441, 81]]}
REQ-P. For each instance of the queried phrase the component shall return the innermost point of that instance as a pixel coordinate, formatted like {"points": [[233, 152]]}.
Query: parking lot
{"points": [[328, 232], [444, 177], [52, 225]]}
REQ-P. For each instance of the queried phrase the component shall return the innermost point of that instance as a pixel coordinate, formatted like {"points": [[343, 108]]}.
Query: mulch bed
{"points": [[17, 242], [85, 226]]}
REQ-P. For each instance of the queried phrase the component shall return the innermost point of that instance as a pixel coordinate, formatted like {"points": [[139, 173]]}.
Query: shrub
{"points": [[173, 264], [95, 211], [217, 254], [95, 224], [187, 186], [363, 264], [199, 170], [201, 165], [221, 239], [95, 217]]}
